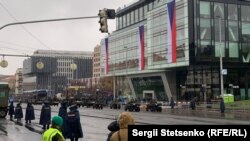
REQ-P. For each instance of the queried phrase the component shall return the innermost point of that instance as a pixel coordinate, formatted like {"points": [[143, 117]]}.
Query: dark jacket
{"points": [[172, 104], [29, 114], [193, 104], [113, 127], [222, 106], [18, 111], [11, 109], [74, 128], [45, 115], [63, 114]]}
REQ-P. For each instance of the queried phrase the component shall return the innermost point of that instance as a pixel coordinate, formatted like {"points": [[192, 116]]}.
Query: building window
{"points": [[141, 14], [132, 15], [136, 15], [219, 10], [205, 9], [124, 20], [232, 12], [150, 6], [145, 11], [233, 31], [205, 29], [245, 10], [128, 19], [120, 23], [233, 50]]}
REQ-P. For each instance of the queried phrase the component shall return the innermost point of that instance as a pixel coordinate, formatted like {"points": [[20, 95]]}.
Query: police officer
{"points": [[29, 114], [222, 106], [54, 133], [11, 110], [45, 115], [63, 113], [172, 104], [74, 128], [193, 103], [18, 112]]}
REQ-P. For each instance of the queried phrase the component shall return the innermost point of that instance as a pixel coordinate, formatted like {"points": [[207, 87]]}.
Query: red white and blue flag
{"points": [[141, 49], [171, 32], [106, 56]]}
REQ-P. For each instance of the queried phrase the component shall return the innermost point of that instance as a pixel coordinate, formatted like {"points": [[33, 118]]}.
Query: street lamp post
{"points": [[126, 63], [221, 63], [126, 60], [114, 81], [73, 66]]}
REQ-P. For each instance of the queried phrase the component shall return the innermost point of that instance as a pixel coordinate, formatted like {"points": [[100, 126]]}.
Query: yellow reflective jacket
{"points": [[50, 133]]}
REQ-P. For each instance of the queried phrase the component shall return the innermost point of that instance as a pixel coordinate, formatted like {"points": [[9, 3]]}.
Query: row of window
{"points": [[136, 15], [219, 30]]}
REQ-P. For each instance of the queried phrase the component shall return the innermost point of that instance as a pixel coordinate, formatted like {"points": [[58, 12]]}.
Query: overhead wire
{"points": [[23, 27]]}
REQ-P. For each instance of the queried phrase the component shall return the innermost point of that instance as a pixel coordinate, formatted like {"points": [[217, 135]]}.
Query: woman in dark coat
{"points": [[45, 115], [29, 114], [18, 112], [11, 110], [63, 114], [74, 128]]}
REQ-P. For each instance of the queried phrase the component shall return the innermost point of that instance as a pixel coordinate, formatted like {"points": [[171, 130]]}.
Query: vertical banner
{"points": [[106, 56], [171, 32], [141, 48]]}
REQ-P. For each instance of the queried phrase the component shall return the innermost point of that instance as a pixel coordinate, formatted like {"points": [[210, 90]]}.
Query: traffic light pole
{"points": [[48, 20]]}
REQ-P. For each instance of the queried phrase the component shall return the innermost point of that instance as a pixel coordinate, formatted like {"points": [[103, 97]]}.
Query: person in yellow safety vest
{"points": [[54, 132]]}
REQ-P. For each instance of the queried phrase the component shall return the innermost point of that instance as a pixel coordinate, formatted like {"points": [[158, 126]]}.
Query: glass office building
{"points": [[172, 48]]}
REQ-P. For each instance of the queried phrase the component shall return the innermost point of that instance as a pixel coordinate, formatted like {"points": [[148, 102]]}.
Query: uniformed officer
{"points": [[29, 114], [74, 128], [63, 113], [18, 112], [54, 133], [172, 104], [11, 110], [45, 115]]}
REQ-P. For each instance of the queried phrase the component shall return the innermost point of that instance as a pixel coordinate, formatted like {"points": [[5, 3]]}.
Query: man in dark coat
{"points": [[63, 114], [193, 103], [74, 128], [45, 115], [222, 105], [11, 110], [172, 104], [18, 112], [29, 114]]}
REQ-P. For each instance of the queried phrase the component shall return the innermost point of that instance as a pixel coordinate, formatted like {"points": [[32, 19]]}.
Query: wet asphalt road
{"points": [[94, 123]]}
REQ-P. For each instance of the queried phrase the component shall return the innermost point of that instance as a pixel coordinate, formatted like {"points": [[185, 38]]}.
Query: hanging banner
{"points": [[141, 48], [171, 32], [106, 56]]}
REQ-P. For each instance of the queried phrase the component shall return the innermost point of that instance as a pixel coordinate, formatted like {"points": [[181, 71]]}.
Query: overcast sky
{"points": [[76, 35]]}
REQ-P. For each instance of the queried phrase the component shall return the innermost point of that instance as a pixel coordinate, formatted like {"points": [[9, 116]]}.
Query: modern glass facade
{"points": [[220, 28], [203, 31]]}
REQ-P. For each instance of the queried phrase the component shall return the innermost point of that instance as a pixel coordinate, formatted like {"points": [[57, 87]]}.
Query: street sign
{"points": [[224, 71]]}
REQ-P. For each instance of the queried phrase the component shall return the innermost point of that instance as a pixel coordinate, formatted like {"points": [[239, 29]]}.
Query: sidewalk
{"points": [[210, 113]]}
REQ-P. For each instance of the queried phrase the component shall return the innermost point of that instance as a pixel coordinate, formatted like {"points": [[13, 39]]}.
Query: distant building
{"points": [[58, 69], [96, 61]]}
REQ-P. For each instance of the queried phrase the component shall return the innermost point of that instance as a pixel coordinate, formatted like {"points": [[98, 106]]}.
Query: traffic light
{"points": [[103, 21], [110, 13]]}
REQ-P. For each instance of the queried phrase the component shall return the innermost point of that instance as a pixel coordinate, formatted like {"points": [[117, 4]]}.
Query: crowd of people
{"points": [[67, 124]]}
